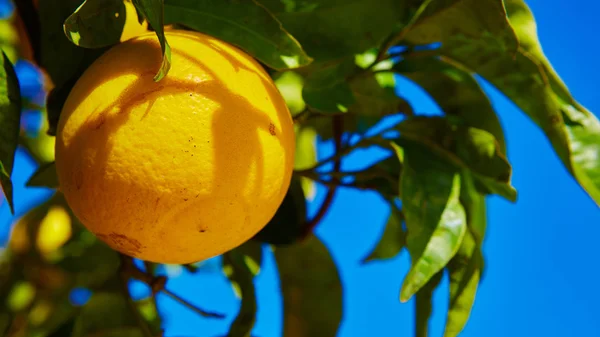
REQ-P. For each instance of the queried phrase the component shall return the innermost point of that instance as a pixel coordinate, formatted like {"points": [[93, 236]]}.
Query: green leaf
{"points": [[287, 225], [465, 272], [472, 28], [290, 85], [330, 29], [10, 118], [306, 157], [45, 176], [106, 314], [478, 37], [435, 219], [96, 23], [243, 262], [311, 289], [463, 147], [393, 239], [456, 91], [573, 130], [466, 268], [153, 11], [246, 24], [326, 88], [424, 306]]}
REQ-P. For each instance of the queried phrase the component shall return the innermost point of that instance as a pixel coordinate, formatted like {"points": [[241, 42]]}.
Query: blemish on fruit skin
{"points": [[78, 179], [272, 129], [122, 242], [156, 204], [100, 120], [185, 199]]}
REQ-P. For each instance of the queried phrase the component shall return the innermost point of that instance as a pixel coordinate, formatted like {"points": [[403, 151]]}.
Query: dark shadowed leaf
{"points": [[288, 223], [63, 60], [64, 330], [106, 314], [393, 239], [96, 23], [424, 306], [326, 88], [465, 269], [456, 91], [10, 118], [246, 24], [463, 147], [375, 98], [435, 219], [45, 176], [153, 11], [243, 264], [383, 176], [311, 289]]}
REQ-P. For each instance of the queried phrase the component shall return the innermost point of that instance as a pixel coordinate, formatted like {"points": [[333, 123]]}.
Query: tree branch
{"points": [[158, 284], [143, 325], [338, 127]]}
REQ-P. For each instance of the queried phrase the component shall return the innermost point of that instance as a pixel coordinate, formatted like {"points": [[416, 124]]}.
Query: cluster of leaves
{"points": [[335, 62]]}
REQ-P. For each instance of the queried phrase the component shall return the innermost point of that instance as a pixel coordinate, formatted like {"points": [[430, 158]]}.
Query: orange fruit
{"points": [[179, 170]]}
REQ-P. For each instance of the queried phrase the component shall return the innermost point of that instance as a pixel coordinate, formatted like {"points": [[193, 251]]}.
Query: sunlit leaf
{"points": [[465, 269], [288, 223], [10, 118], [45, 176], [424, 306], [374, 99], [246, 24], [465, 273], [96, 23], [153, 11], [311, 289], [393, 239], [435, 219], [463, 147], [479, 37], [306, 157], [456, 91], [290, 85]]}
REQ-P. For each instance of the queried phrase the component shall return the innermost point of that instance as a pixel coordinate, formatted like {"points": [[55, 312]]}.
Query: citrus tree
{"points": [[328, 71]]}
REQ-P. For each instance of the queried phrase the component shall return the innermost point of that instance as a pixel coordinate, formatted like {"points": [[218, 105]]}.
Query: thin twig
{"points": [[143, 325], [338, 127], [190, 306], [158, 284]]}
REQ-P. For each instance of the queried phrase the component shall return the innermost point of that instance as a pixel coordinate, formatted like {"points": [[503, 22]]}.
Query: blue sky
{"points": [[541, 252]]}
